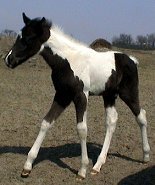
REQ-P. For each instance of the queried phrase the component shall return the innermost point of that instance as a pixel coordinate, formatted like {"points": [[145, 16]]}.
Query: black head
{"points": [[29, 41]]}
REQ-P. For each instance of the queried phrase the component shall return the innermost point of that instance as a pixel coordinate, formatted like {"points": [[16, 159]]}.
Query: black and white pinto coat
{"points": [[77, 72]]}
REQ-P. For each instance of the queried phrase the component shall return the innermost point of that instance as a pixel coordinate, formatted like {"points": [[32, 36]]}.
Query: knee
{"points": [[45, 125], [112, 117], [82, 130], [141, 118]]}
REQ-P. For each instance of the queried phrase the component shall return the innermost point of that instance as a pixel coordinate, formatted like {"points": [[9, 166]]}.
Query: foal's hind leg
{"points": [[47, 122], [130, 97], [111, 119], [141, 120]]}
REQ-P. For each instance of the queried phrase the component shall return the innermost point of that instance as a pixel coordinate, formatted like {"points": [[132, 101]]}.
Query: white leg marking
{"points": [[36, 146], [82, 132], [141, 119], [111, 119]]}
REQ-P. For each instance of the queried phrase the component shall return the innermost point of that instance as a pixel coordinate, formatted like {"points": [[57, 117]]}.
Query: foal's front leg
{"points": [[111, 119], [80, 102], [47, 122]]}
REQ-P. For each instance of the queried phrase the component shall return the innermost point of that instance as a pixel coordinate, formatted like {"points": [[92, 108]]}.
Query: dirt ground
{"points": [[26, 94]]}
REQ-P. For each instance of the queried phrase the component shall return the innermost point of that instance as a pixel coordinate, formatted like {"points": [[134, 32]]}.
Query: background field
{"points": [[26, 94]]}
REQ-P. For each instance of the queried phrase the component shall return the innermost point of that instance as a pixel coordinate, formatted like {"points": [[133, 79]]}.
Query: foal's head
{"points": [[29, 41]]}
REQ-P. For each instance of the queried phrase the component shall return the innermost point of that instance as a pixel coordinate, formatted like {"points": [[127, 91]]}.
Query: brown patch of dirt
{"points": [[26, 95]]}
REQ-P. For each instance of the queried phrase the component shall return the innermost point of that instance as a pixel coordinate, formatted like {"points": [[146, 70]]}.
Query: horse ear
{"points": [[26, 19], [43, 20]]}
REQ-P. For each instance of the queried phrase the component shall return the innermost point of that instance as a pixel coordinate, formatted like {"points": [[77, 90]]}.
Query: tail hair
{"points": [[135, 60]]}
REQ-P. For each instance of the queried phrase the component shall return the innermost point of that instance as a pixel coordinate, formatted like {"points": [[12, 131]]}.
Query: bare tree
{"points": [[124, 40], [7, 32], [151, 40], [141, 41]]}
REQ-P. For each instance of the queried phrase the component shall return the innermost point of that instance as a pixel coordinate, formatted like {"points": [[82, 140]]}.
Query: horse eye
{"points": [[28, 40], [23, 41]]}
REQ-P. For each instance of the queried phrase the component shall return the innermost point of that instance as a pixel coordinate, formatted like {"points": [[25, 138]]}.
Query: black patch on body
{"points": [[111, 89], [123, 82], [68, 87], [128, 87]]}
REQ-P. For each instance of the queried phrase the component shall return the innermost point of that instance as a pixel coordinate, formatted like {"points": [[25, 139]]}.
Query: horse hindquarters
{"points": [[129, 93]]}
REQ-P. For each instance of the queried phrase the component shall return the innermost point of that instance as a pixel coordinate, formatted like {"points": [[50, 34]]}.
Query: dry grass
{"points": [[26, 94]]}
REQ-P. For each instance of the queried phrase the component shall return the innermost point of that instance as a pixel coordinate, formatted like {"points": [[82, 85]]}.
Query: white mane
{"points": [[64, 45], [69, 39]]}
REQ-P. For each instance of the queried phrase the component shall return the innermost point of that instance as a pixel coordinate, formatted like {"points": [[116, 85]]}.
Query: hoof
{"points": [[79, 178], [25, 173], [146, 159], [94, 172]]}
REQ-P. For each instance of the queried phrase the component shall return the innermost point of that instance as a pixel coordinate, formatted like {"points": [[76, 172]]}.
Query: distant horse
{"points": [[77, 72]]}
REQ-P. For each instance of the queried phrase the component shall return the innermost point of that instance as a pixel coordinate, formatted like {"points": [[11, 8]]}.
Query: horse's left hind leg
{"points": [[130, 97], [141, 120]]}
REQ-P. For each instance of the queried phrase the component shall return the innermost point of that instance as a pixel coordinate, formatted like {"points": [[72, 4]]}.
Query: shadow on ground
{"points": [[144, 177], [55, 154]]}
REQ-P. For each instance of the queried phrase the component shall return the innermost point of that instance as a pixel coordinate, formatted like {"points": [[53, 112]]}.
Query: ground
{"points": [[26, 94]]}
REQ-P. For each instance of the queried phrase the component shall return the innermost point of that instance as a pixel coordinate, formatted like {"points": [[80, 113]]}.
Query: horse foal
{"points": [[77, 72]]}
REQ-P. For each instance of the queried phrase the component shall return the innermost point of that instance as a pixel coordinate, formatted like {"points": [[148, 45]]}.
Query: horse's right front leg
{"points": [[47, 122]]}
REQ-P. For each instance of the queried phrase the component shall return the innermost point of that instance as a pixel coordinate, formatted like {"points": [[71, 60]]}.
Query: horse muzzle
{"points": [[10, 61]]}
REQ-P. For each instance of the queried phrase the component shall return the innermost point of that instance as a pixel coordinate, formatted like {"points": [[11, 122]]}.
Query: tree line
{"points": [[146, 42], [8, 33]]}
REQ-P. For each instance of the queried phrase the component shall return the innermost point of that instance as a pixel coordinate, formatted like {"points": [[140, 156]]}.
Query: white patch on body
{"points": [[101, 65], [93, 68]]}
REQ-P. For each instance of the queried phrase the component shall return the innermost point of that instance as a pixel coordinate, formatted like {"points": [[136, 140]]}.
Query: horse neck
{"points": [[63, 45], [53, 60]]}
